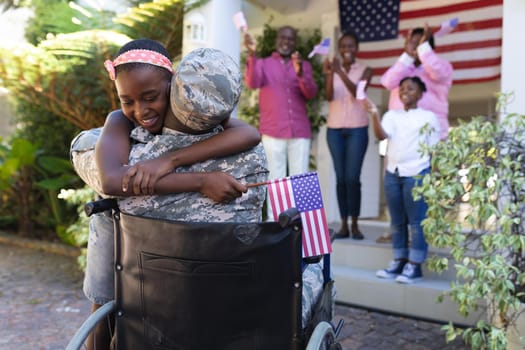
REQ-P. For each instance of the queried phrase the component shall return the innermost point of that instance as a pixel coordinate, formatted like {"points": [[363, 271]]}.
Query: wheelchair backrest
{"points": [[202, 286]]}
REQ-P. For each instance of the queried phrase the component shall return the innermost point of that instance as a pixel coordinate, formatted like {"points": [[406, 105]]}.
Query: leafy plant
{"points": [[58, 85], [306, 40], [26, 178], [475, 209]]}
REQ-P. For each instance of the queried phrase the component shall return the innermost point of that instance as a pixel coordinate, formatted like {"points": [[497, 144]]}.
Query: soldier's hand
{"points": [[143, 176], [221, 187]]}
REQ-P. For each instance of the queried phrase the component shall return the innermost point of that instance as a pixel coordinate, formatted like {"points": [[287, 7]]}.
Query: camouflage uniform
{"points": [[178, 206], [247, 167], [82, 153]]}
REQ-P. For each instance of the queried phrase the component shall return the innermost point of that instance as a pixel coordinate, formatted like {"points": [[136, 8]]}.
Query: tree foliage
{"points": [[58, 85]]}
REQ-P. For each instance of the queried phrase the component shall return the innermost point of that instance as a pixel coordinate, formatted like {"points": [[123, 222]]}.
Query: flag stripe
{"points": [[304, 193], [424, 8], [321, 219], [473, 47]]}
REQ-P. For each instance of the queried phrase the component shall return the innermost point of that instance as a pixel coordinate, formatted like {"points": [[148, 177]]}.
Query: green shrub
{"points": [[475, 209]]}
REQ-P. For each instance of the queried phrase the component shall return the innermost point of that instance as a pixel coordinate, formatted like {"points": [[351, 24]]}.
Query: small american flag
{"points": [[304, 193], [322, 49], [447, 27]]}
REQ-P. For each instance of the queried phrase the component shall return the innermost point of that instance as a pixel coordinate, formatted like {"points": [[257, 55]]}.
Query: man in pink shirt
{"points": [[286, 83], [419, 59]]}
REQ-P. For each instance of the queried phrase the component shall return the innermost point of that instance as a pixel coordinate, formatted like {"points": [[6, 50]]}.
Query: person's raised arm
{"points": [[112, 152], [253, 75], [304, 73], [402, 67], [237, 136], [376, 122], [328, 72], [350, 86], [439, 69]]}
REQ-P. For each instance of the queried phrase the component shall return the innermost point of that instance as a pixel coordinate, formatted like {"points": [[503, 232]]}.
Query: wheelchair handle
{"points": [[100, 206], [288, 216]]}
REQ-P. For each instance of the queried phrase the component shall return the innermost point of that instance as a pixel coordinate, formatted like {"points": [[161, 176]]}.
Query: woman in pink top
{"points": [[347, 129]]}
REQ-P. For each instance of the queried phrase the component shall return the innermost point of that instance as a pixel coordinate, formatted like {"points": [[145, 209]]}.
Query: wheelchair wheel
{"points": [[323, 338], [101, 315]]}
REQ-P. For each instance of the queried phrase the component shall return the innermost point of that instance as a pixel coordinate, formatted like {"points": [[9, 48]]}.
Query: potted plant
{"points": [[476, 210]]}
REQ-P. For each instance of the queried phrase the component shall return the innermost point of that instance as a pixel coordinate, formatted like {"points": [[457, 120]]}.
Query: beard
{"points": [[284, 51]]}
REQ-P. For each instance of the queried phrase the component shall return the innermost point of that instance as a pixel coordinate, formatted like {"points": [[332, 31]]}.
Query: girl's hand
{"points": [[370, 106], [221, 187], [143, 176]]}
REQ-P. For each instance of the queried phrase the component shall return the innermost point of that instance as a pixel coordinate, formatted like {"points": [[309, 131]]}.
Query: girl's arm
{"points": [[350, 86], [237, 137], [376, 122], [112, 152]]}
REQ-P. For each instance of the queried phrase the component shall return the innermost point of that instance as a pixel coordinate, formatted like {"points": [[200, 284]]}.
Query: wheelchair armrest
{"points": [[288, 216], [313, 259], [100, 206]]}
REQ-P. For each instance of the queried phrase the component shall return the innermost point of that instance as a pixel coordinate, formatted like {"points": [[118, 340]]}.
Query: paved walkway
{"points": [[42, 305]]}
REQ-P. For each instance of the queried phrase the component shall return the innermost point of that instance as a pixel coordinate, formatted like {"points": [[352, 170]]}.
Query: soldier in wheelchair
{"points": [[145, 288]]}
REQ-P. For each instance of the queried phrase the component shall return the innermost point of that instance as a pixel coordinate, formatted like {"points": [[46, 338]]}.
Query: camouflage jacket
{"points": [[247, 167], [82, 154]]}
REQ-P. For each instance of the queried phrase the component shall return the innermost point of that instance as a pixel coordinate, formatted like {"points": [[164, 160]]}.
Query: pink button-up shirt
{"points": [[282, 95], [434, 71], [345, 110]]}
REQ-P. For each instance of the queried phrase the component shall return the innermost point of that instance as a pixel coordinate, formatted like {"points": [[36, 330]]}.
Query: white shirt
{"points": [[404, 139]]}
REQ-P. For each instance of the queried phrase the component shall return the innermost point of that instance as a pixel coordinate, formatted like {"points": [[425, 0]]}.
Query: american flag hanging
{"points": [[304, 193], [371, 20], [473, 47]]}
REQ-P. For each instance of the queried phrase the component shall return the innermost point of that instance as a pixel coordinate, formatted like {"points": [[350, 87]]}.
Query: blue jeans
{"points": [[406, 213], [348, 147]]}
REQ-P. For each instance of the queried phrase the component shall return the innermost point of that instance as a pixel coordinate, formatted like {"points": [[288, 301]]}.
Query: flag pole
{"points": [[256, 184]]}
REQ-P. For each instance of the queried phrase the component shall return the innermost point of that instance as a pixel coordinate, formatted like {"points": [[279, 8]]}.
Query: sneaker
{"points": [[411, 273], [394, 269]]}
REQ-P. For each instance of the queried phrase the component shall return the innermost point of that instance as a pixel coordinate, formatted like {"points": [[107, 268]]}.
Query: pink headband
{"points": [[139, 56]]}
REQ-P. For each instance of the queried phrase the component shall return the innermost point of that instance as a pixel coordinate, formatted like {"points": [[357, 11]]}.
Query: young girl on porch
{"points": [[405, 166]]}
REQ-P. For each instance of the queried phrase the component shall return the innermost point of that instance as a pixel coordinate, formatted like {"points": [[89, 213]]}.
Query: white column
{"points": [[513, 54], [219, 30]]}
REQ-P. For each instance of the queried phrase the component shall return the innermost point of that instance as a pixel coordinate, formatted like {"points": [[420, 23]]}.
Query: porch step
{"points": [[354, 264]]}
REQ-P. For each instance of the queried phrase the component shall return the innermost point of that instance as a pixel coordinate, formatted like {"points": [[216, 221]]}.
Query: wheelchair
{"points": [[201, 286]]}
